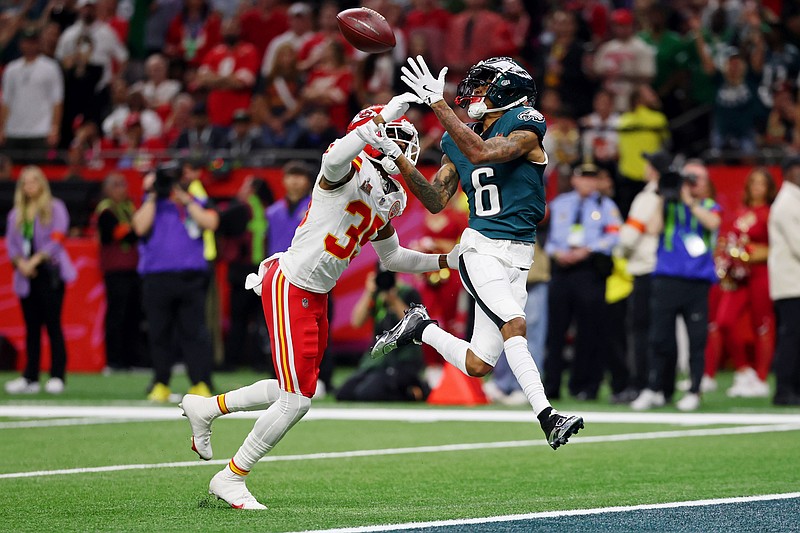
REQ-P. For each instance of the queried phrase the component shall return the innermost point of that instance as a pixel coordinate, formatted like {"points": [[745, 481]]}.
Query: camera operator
{"points": [[396, 376], [175, 274], [686, 221]]}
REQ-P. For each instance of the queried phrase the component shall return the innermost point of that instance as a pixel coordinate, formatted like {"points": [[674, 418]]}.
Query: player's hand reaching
{"points": [[418, 76], [379, 140], [398, 106]]}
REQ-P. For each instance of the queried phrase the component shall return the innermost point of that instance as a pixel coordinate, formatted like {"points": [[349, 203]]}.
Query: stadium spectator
{"points": [[157, 89], [301, 24], [277, 104], [624, 62], [560, 64], [643, 129], [175, 276], [562, 142], [115, 124], [6, 168], [228, 72], [261, 23], [118, 260], [107, 50], [736, 103], [32, 100], [395, 377], [160, 14], [599, 132], [584, 229], [243, 138], [178, 119], [518, 21], [741, 262], [781, 63], [62, 12], [48, 39], [193, 33], [431, 21], [243, 244], [330, 84], [286, 214], [638, 243], [200, 136], [315, 131], [138, 152], [328, 30], [687, 221], [783, 121], [36, 228], [475, 34], [80, 81], [784, 271], [668, 46]]}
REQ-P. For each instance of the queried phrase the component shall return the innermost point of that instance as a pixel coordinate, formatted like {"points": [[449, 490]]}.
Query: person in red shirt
{"points": [[229, 72], [742, 266], [193, 32], [430, 19], [262, 23], [330, 84]]}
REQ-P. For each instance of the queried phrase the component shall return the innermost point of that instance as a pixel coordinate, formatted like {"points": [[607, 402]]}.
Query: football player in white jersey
{"points": [[353, 201]]}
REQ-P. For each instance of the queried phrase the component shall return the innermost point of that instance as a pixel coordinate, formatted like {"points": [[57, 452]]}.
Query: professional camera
{"points": [[167, 176], [385, 279], [670, 179]]}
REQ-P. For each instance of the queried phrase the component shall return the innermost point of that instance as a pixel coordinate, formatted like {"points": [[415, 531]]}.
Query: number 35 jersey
{"points": [[506, 200], [337, 224]]}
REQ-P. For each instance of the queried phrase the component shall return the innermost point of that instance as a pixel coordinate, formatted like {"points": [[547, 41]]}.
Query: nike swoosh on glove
{"points": [[418, 76]]}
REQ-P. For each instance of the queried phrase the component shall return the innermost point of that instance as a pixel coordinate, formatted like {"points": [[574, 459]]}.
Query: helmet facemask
{"points": [[406, 136], [506, 84]]}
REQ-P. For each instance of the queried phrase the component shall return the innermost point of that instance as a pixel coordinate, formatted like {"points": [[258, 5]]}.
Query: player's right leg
{"points": [[201, 411]]}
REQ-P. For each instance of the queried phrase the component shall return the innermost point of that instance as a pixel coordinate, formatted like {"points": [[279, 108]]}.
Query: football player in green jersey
{"points": [[499, 161]]}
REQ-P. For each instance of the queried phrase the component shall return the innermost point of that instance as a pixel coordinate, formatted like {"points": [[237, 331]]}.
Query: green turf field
{"points": [[116, 475]]}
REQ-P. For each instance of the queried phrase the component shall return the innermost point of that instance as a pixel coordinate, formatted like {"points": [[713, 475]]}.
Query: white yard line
{"points": [[557, 514], [404, 415], [423, 449], [58, 422]]}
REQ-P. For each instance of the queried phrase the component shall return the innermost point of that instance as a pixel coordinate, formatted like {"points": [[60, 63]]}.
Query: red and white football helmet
{"points": [[401, 131]]}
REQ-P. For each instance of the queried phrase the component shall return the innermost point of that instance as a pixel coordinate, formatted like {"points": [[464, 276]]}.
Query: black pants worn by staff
{"points": [[671, 297], [177, 300], [42, 307], [578, 293], [787, 352], [123, 317], [640, 326]]}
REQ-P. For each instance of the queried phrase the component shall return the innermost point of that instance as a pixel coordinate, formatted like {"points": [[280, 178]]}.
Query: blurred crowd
{"points": [[116, 82]]}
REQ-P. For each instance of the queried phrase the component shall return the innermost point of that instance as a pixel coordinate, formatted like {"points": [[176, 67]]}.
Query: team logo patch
{"points": [[394, 210], [531, 114], [305, 303]]}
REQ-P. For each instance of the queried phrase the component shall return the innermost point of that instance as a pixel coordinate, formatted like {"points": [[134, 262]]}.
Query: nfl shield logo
{"points": [[305, 303]]}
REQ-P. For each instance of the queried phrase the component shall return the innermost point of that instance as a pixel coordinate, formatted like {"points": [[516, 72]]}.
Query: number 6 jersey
{"points": [[338, 223], [506, 200]]}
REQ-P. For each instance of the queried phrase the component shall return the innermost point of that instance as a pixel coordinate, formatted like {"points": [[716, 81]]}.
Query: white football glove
{"points": [[452, 256], [398, 106], [379, 140], [418, 76]]}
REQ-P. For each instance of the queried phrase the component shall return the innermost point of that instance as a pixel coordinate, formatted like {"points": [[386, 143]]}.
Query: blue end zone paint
{"points": [[775, 515]]}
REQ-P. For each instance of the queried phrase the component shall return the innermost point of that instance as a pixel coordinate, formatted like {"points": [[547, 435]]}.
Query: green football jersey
{"points": [[506, 200]]}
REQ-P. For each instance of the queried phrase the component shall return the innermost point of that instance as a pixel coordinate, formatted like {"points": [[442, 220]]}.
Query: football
{"points": [[366, 29]]}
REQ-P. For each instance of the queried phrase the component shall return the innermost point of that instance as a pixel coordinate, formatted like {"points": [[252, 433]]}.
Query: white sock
{"points": [[259, 395], [521, 363], [453, 349], [269, 429]]}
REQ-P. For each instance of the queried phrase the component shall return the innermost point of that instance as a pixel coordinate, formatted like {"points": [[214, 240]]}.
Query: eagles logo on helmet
{"points": [[401, 130], [507, 85]]}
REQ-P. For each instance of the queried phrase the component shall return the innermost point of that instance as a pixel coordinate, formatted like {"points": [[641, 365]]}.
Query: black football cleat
{"points": [[559, 428], [407, 331]]}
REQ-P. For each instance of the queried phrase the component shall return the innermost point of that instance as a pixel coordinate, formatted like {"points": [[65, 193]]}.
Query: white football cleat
{"points": [[21, 385], [230, 488], [54, 386], [690, 402], [648, 399], [200, 412]]}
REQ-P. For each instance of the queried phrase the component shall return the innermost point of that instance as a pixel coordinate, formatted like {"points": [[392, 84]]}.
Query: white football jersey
{"points": [[338, 223]]}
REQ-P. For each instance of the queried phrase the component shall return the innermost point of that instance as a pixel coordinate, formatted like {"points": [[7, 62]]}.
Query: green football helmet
{"points": [[507, 85]]}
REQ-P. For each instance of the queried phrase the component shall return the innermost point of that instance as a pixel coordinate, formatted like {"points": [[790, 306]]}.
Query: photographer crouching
{"points": [[175, 274], [686, 222]]}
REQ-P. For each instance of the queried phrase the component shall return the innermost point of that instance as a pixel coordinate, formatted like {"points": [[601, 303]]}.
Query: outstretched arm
{"points": [[434, 195], [519, 143]]}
